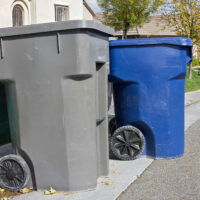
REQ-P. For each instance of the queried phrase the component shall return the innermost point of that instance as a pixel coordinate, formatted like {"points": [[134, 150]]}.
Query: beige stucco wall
{"points": [[45, 11], [86, 14], [38, 11], [6, 7], [196, 51]]}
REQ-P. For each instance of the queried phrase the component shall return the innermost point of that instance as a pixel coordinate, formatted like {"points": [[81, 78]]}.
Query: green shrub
{"points": [[194, 83], [195, 61]]}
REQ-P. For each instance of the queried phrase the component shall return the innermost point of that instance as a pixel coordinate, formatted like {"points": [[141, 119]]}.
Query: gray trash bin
{"points": [[55, 78]]}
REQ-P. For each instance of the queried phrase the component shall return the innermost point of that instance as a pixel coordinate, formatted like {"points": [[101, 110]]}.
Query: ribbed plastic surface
{"points": [[148, 77]]}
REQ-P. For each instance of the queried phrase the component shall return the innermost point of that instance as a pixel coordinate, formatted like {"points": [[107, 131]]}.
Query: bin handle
{"points": [[189, 54], [99, 121]]}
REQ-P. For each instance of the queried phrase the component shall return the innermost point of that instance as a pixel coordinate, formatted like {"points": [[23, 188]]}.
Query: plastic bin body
{"points": [[148, 77], [55, 76]]}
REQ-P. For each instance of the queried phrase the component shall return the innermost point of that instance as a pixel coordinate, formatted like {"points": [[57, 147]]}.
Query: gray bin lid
{"points": [[56, 26]]}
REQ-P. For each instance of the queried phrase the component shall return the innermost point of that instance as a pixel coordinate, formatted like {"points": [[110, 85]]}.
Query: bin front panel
{"points": [[53, 92], [149, 94]]}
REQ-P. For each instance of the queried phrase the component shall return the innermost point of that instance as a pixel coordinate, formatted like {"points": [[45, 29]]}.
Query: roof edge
{"points": [[89, 8]]}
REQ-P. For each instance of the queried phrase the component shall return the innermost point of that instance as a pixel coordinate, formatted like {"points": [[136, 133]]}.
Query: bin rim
{"points": [[176, 41], [56, 27]]}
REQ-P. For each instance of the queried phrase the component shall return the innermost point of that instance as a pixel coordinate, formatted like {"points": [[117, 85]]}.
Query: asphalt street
{"points": [[173, 179]]}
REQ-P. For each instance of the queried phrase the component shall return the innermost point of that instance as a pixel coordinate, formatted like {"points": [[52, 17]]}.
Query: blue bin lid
{"points": [[177, 41]]}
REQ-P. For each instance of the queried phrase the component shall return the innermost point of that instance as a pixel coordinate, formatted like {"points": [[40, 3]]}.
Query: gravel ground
{"points": [[174, 179]]}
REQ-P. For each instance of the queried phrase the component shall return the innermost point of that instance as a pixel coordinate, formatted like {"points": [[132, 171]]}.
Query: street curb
{"points": [[189, 104], [192, 91]]}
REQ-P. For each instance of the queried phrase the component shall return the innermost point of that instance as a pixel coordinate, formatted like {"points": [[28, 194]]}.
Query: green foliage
{"points": [[195, 61], [194, 83], [184, 16], [126, 14]]}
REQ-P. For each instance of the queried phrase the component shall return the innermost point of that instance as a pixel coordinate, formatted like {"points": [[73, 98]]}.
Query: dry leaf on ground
{"points": [[107, 182], [114, 171], [5, 195], [25, 190], [50, 192], [5, 198], [2, 190], [67, 194]]}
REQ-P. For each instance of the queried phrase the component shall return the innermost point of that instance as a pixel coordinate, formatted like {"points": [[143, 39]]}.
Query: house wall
{"points": [[45, 12], [38, 11], [196, 51], [6, 7], [87, 14]]}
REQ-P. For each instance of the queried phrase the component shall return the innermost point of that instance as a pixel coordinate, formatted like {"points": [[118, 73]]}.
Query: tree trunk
{"points": [[124, 36], [190, 70], [137, 31]]}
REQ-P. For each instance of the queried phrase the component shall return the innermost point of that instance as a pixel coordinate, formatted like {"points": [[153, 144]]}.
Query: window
{"points": [[61, 13], [18, 16]]}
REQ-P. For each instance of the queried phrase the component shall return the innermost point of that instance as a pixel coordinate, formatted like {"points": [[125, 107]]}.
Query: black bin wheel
{"points": [[127, 143], [112, 126], [14, 173]]}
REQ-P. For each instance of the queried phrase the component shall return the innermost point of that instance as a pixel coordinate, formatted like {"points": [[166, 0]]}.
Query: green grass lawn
{"points": [[194, 83]]}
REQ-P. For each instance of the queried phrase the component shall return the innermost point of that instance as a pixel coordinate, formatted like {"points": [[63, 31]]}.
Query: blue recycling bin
{"points": [[148, 77]]}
